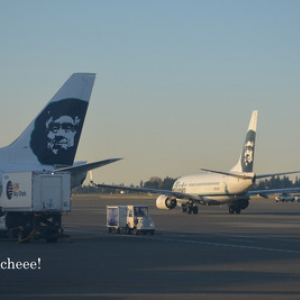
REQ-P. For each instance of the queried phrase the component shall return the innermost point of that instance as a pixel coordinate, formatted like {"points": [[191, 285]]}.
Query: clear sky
{"points": [[176, 80]]}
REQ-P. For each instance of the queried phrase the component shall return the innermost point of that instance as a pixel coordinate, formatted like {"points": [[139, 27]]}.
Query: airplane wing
{"points": [[265, 193], [178, 195], [86, 167]]}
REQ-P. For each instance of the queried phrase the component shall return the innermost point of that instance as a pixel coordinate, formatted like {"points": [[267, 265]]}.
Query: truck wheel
{"points": [[128, 229]]}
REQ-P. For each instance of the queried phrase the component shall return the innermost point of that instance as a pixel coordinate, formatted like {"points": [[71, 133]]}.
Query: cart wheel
{"points": [[109, 229], [128, 229]]}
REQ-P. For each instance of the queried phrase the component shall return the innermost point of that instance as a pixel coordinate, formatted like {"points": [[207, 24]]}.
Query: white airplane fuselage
{"points": [[216, 187]]}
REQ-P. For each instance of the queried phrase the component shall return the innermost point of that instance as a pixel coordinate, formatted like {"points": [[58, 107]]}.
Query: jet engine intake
{"points": [[164, 202]]}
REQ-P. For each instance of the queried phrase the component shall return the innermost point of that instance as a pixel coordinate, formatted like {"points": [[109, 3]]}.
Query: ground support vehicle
{"points": [[32, 204], [130, 218]]}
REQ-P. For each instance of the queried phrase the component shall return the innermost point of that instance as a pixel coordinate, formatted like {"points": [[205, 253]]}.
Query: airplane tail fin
{"points": [[246, 161], [53, 136]]}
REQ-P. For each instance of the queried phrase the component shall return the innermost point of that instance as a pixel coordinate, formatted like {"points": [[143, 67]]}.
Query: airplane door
{"points": [[223, 187], [183, 188]]}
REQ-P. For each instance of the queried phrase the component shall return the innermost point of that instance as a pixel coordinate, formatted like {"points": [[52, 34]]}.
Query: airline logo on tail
{"points": [[53, 136], [57, 131], [246, 160], [248, 152]]}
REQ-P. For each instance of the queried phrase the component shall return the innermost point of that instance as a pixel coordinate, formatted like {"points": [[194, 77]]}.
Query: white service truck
{"points": [[130, 218], [32, 203]]}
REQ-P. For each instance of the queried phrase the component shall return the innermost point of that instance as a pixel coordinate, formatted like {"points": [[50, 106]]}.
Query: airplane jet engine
{"points": [[163, 202]]}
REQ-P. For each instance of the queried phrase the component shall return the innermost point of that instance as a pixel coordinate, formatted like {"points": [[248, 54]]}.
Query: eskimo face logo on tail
{"points": [[57, 131], [248, 152]]}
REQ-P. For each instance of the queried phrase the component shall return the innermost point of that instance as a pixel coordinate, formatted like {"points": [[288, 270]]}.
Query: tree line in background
{"points": [[275, 182]]}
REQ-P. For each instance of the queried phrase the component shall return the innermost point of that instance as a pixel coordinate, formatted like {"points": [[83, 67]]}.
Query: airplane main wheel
{"points": [[195, 210]]}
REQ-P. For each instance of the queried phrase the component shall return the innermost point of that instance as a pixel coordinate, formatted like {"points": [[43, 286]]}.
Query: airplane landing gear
{"points": [[234, 209], [238, 205], [189, 209]]}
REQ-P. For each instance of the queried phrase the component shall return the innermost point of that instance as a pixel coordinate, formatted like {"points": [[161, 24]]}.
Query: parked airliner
{"points": [[215, 187]]}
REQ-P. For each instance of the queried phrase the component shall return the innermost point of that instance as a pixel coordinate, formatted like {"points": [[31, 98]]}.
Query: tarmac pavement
{"points": [[212, 255]]}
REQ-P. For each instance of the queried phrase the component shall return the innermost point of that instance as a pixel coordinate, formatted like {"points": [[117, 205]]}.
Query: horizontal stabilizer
{"points": [[86, 167], [238, 175], [275, 174]]}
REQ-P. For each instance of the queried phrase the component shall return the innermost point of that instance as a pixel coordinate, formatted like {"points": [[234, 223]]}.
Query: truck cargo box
{"points": [[116, 216], [36, 192]]}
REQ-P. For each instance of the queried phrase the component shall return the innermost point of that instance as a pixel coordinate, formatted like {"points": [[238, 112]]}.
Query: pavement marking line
{"points": [[187, 241], [193, 291], [233, 235], [214, 244]]}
